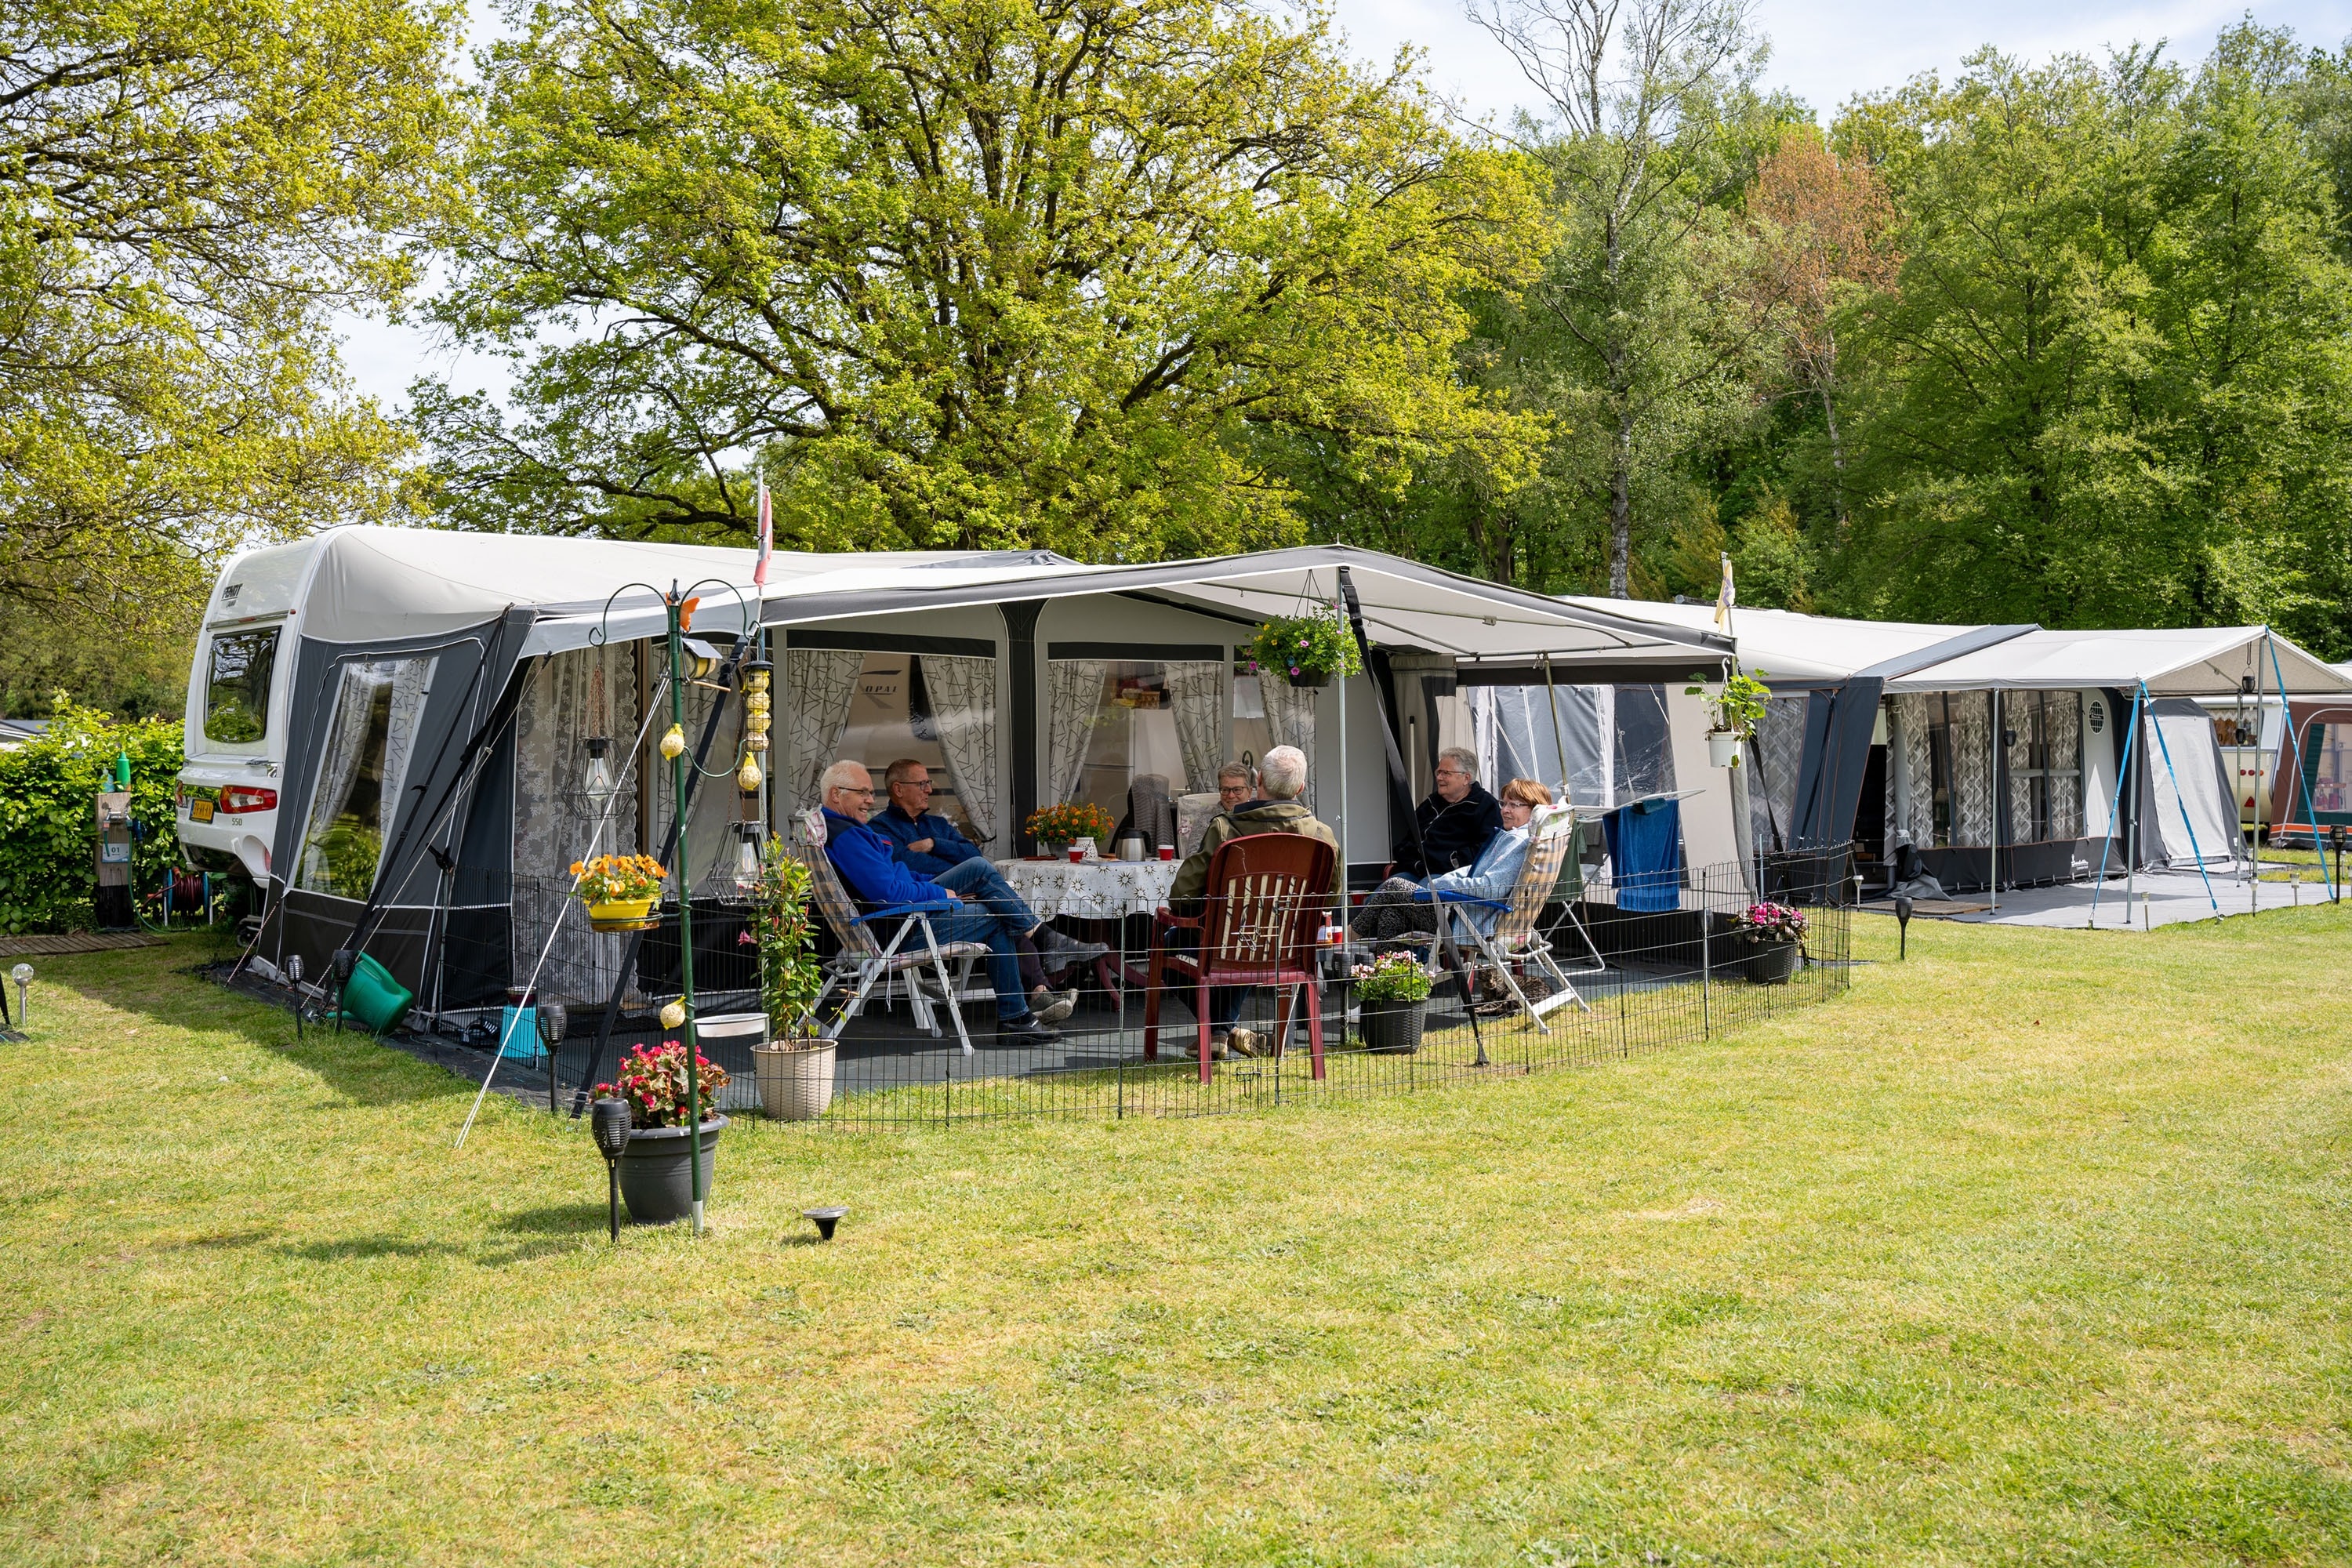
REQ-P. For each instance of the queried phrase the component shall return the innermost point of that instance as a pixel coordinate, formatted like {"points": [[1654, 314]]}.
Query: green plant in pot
{"points": [[1775, 934], [1739, 707], [656, 1182], [794, 1064], [1306, 650], [1393, 993]]}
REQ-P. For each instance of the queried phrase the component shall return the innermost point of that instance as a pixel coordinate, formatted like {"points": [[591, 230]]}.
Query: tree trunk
{"points": [[1620, 504], [1837, 457]]}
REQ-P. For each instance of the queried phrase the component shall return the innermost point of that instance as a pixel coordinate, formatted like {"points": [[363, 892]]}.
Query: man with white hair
{"points": [[877, 879], [1281, 780], [1457, 820]]}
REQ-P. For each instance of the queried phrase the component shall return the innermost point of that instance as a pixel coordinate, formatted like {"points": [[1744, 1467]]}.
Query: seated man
{"points": [[863, 859], [1456, 820], [1282, 778], [929, 845], [1400, 905]]}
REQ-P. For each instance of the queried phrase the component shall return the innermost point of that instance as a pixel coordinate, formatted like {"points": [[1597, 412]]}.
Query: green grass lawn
{"points": [[2030, 1250]]}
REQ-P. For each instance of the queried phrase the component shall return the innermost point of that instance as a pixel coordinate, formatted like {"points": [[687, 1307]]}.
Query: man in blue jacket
{"points": [[869, 869]]}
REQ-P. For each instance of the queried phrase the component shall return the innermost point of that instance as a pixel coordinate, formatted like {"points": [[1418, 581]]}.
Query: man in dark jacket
{"points": [[869, 869], [1456, 820]]}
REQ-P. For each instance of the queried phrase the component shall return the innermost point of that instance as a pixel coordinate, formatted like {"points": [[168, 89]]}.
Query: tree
{"points": [[2111, 390], [956, 272], [1635, 330], [186, 191]]}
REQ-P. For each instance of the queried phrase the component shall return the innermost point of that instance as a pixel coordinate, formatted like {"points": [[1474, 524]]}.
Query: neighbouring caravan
{"points": [[424, 713]]}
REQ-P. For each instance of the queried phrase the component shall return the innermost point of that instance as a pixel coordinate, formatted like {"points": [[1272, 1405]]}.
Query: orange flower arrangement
{"points": [[617, 879]]}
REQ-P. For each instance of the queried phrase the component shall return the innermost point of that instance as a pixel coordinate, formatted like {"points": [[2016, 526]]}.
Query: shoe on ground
{"points": [[1057, 1006], [1220, 1047], [1051, 944], [1026, 1030], [1248, 1043]]}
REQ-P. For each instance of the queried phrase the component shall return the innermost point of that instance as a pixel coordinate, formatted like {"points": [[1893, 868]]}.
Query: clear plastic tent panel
{"points": [[1609, 744]]}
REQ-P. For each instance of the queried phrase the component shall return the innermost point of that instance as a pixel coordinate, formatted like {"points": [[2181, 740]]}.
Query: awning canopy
{"points": [[374, 584], [2184, 662], [1785, 645]]}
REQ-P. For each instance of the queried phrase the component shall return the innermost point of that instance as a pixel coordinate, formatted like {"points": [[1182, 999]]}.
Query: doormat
{"points": [[74, 941]]}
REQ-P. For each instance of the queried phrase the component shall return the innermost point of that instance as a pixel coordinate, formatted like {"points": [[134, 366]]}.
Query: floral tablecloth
{"points": [[1092, 889]]}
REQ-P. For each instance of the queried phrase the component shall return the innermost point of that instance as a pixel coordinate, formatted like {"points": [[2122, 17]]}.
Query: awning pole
{"points": [[2164, 750], [2000, 795], [2294, 744], [2115, 824], [1339, 613]]}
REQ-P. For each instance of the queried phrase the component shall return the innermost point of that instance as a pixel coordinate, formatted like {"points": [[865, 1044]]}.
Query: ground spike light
{"points": [[608, 1124], [825, 1220], [1903, 908], [23, 975]]}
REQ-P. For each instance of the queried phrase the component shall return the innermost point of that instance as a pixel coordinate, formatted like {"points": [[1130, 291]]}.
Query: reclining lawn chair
{"points": [[1266, 898], [1552, 839], [865, 961]]}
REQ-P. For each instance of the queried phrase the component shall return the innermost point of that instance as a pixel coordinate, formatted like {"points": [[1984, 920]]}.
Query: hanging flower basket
{"points": [[622, 914], [1305, 650], [620, 890]]}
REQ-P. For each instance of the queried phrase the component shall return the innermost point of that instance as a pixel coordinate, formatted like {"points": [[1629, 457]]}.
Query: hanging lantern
{"points": [[599, 785], [673, 742], [747, 854], [673, 1013], [747, 777]]}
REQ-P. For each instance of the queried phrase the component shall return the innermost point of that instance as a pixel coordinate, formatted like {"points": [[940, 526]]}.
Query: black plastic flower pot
{"points": [[1392, 1027], [655, 1182], [1310, 679], [1773, 963]]}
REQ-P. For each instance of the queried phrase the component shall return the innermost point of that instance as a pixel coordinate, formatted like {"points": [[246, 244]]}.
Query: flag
{"points": [[767, 537], [1725, 598]]}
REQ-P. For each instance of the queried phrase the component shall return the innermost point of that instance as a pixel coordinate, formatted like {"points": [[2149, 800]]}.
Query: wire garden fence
{"points": [[1598, 972]]}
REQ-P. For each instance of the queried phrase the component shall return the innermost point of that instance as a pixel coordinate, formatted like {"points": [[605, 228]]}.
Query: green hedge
{"points": [[49, 825]]}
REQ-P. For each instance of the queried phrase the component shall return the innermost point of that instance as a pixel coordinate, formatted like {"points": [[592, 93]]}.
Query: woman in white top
{"points": [[1400, 905]]}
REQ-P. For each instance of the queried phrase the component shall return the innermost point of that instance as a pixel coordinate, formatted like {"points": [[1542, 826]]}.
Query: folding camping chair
{"points": [[1266, 896], [865, 961], [1516, 939]]}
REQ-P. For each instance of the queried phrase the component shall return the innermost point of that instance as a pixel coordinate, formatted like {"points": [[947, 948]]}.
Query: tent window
{"points": [[236, 686], [2327, 771], [2045, 766], [1939, 768], [1612, 740], [1112, 722], [362, 771], [941, 711]]}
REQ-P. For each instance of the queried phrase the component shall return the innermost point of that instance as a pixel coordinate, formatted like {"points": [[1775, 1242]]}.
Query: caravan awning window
{"points": [[876, 705], [2327, 771], [364, 764], [1110, 721]]}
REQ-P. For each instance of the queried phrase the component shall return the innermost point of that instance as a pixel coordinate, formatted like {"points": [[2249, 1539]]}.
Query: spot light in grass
{"points": [[825, 1220], [1903, 908]]}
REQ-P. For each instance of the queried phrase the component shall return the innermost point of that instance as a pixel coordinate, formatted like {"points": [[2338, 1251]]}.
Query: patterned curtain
{"points": [[1972, 797], [1776, 752], [339, 766], [819, 685], [1073, 693], [2018, 714], [1913, 813], [963, 706], [572, 697], [2065, 724], [1196, 691], [1290, 718], [411, 680]]}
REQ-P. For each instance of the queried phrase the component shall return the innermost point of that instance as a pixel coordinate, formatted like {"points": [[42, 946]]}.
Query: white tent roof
{"points": [[1788, 646], [379, 584], [2183, 662]]}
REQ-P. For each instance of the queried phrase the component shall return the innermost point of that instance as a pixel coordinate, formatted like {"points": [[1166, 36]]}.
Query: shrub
{"points": [[792, 977], [48, 824]]}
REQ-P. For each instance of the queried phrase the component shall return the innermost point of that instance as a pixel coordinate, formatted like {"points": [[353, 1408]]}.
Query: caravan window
{"points": [[236, 686], [2045, 766], [1109, 722], [2327, 770], [877, 707], [363, 768]]}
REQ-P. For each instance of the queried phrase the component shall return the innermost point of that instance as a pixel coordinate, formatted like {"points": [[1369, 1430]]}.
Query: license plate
{"points": [[200, 810]]}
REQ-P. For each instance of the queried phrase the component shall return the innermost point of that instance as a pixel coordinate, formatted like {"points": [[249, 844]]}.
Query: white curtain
{"points": [[1290, 718], [572, 696], [963, 707], [819, 685], [1073, 693], [339, 763], [1196, 691], [412, 679]]}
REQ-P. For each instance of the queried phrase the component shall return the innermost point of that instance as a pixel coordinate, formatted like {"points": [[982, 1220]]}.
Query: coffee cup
{"points": [[1077, 853], [1167, 851]]}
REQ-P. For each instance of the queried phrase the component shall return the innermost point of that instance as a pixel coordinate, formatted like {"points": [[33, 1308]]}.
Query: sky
{"points": [[1825, 51]]}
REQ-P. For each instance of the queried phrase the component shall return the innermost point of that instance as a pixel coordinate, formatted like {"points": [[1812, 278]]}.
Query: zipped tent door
{"points": [[2191, 817]]}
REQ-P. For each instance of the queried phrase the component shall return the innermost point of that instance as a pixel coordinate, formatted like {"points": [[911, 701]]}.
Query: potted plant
{"points": [[619, 891], [1393, 991], [654, 1179], [794, 1064], [1738, 708], [1776, 941], [1307, 650], [1054, 827]]}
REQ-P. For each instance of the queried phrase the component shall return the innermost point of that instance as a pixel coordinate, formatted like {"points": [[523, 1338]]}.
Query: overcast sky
{"points": [[1824, 50]]}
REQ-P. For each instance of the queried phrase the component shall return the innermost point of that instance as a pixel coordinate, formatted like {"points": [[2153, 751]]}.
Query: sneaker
{"points": [[1059, 1005], [1220, 1045], [1026, 1030], [1064, 952]]}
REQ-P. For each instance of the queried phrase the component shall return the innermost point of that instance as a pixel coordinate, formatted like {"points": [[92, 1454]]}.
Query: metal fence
{"points": [[1644, 977]]}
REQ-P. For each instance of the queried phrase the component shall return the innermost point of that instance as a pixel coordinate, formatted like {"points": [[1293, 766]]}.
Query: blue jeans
{"points": [[1003, 960], [977, 882]]}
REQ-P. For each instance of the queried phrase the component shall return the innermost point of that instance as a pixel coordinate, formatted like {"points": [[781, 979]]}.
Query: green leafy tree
{"points": [[186, 192], [955, 272]]}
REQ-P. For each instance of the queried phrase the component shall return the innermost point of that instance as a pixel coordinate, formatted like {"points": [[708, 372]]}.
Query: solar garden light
{"points": [[1903, 908], [23, 975], [294, 979], [2335, 838], [825, 1220], [608, 1124], [345, 960], [551, 1020]]}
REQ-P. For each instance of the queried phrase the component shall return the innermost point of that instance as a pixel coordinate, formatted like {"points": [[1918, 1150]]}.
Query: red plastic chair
{"points": [[1266, 895]]}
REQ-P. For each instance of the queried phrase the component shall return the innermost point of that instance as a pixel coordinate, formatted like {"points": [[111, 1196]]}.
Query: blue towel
{"points": [[1645, 848]]}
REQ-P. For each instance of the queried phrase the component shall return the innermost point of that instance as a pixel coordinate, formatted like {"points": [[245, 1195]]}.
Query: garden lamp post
{"points": [[23, 975], [2335, 838], [678, 765], [608, 1124]]}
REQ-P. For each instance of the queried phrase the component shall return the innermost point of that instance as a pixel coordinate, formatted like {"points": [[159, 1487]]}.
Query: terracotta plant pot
{"points": [[1392, 1027], [655, 1182], [795, 1078], [622, 914]]}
